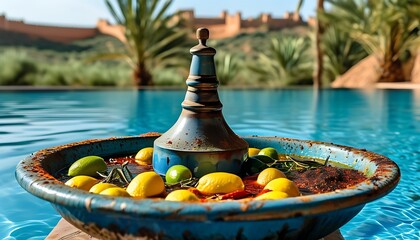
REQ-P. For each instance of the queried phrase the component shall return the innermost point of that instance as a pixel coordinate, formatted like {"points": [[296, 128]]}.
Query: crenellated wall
{"points": [[225, 25]]}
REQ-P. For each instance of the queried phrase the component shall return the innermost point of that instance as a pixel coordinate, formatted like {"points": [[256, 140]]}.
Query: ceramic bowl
{"points": [[305, 217]]}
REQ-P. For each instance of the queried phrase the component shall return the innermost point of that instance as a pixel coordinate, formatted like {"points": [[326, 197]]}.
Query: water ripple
{"points": [[386, 122]]}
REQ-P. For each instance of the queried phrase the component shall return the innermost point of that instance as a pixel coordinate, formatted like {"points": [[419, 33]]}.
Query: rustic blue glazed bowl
{"points": [[306, 217]]}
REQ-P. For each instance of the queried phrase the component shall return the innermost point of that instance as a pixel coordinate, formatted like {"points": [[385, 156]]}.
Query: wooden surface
{"points": [[66, 231]]}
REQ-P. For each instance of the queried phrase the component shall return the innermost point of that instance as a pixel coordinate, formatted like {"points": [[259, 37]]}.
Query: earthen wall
{"points": [[225, 25], [53, 33]]}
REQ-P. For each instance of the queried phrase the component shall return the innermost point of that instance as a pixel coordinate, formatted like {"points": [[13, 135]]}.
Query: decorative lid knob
{"points": [[202, 49], [203, 34]]}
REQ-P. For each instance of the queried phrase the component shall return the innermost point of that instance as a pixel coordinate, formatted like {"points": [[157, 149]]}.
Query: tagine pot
{"points": [[201, 134]]}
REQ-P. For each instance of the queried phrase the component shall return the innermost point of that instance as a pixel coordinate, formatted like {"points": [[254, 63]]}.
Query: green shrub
{"points": [[78, 73], [16, 68], [169, 76]]}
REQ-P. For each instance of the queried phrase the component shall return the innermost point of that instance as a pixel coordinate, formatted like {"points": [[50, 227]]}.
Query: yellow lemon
{"points": [[182, 195], [115, 191], [82, 182], [253, 151], [272, 195], [219, 182], [269, 174], [146, 184], [144, 156], [283, 185], [99, 187], [88, 166]]}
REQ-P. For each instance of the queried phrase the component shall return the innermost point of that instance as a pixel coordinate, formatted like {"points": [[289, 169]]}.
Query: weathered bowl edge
{"points": [[33, 177]]}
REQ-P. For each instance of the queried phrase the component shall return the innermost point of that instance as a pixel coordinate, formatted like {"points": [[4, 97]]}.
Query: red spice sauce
{"points": [[325, 179], [251, 185]]}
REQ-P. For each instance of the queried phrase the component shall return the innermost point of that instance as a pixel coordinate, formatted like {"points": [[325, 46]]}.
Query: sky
{"points": [[85, 13]]}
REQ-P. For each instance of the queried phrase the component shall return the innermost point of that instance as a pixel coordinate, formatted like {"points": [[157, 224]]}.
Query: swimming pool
{"points": [[382, 121]]}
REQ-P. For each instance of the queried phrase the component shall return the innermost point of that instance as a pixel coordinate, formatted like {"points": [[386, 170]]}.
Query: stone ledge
{"points": [[402, 85]]}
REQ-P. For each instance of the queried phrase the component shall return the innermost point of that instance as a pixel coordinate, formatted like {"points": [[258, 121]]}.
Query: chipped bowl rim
{"points": [[33, 175]]}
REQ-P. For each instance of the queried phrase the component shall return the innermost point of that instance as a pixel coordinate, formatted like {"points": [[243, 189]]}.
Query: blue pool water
{"points": [[383, 121]]}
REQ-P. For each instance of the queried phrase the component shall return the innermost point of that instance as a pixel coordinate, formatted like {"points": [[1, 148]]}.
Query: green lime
{"points": [[88, 166], [177, 173], [271, 152], [204, 168]]}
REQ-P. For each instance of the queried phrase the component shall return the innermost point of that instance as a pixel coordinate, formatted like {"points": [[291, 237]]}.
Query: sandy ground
{"points": [[64, 230]]}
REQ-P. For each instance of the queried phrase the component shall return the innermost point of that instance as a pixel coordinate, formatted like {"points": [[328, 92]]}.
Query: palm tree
{"points": [[319, 29], [288, 63], [318, 70], [152, 37], [384, 28]]}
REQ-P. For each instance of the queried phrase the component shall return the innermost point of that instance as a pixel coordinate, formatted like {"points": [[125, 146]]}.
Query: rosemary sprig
{"points": [[256, 164], [294, 163], [119, 175], [187, 183]]}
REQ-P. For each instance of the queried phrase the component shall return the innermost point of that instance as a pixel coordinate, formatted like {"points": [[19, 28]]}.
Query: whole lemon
{"points": [[253, 151], [269, 151], [82, 182], [182, 195], [88, 166], [146, 184], [283, 185], [177, 173], [269, 174], [219, 182], [272, 195], [115, 191], [99, 187], [144, 156]]}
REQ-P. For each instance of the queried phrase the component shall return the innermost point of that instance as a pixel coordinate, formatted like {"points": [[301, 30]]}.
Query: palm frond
{"points": [[341, 52], [289, 62], [151, 39], [228, 67]]}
